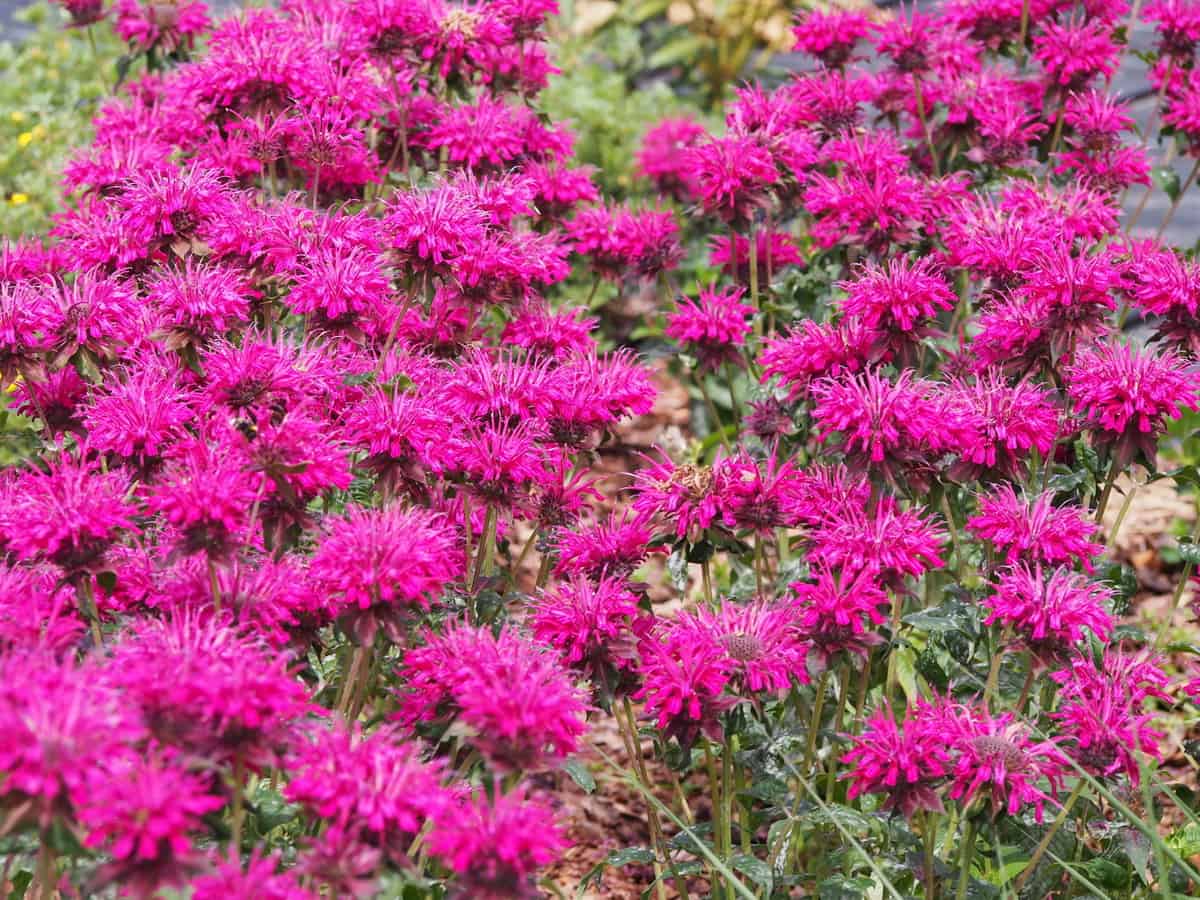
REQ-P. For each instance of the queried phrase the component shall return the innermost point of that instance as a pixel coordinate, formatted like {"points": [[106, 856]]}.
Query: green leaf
{"points": [[1166, 179], [20, 884], [685, 47], [1106, 873], [616, 859], [756, 870], [1186, 840], [1189, 552], [580, 775]]}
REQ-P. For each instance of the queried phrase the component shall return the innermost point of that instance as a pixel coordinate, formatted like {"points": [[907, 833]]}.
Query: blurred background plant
{"points": [[53, 80]]}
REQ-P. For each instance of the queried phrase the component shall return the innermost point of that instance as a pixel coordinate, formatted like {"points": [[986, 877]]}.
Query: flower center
{"points": [[743, 647], [996, 749]]}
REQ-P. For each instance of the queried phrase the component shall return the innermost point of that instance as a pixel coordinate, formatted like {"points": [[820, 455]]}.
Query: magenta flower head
{"points": [[432, 229], [37, 611], [513, 699], [734, 176], [687, 497], [614, 547], [138, 417], [893, 428], [905, 761], [894, 543], [594, 625], [814, 351], [374, 788], [1033, 528], [496, 846], [260, 880], [60, 722], [760, 496], [1102, 711], [1177, 23], [206, 690], [840, 613], [830, 36], [1127, 395], [1003, 425], [663, 156], [773, 251], [713, 327], [1049, 609], [376, 564], [998, 760], [757, 639], [198, 302], [206, 492], [684, 683], [143, 813], [69, 515], [1072, 54], [897, 299]]}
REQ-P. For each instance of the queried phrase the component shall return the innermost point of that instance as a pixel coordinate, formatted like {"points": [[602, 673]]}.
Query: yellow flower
{"points": [[18, 199], [17, 116], [25, 138]]}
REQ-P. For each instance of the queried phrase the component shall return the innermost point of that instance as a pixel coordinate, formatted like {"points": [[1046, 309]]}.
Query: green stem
{"points": [[1113, 471], [893, 670], [753, 248], [239, 803], [928, 836], [706, 577], [633, 746], [487, 549], [1044, 843], [45, 866], [712, 411], [214, 585], [87, 604], [1177, 597], [993, 678], [1178, 197], [919, 97], [814, 724], [838, 720], [727, 792], [966, 856], [1116, 529]]}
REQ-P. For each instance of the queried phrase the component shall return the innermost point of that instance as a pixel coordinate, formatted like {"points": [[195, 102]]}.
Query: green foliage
{"points": [[600, 93], [53, 82]]}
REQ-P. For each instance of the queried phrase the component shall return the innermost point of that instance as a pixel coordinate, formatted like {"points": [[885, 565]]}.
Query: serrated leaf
{"points": [[580, 775]]}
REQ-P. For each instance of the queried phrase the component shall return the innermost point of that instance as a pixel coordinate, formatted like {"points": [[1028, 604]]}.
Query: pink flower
{"points": [[199, 301], [496, 846], [592, 624], [1049, 610], [613, 547], [687, 496], [373, 787], [1177, 23], [813, 351], [432, 229], [1033, 528], [1126, 395], [515, 701], [997, 758], [1074, 53], [757, 640], [167, 27], [713, 326], [684, 684], [830, 35], [839, 613], [207, 690], [60, 723], [142, 812], [664, 156], [905, 762], [36, 612], [140, 416], [260, 880], [734, 175], [69, 515], [385, 559], [892, 542], [1003, 424]]}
